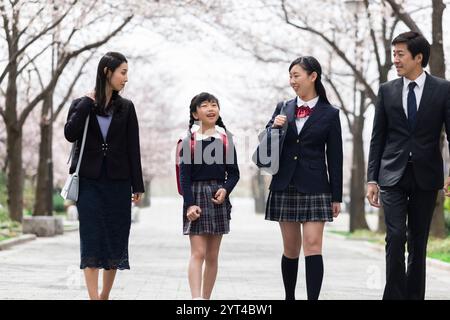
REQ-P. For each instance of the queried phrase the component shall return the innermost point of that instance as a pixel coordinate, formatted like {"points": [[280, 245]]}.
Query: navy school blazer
{"points": [[312, 161]]}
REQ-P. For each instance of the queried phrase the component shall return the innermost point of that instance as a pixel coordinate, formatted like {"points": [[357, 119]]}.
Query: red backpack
{"points": [[192, 144]]}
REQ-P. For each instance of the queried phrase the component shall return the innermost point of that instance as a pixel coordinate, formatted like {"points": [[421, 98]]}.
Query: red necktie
{"points": [[303, 111]]}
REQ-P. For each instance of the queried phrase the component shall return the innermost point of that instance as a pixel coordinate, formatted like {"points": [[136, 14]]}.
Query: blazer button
{"points": [[295, 158], [298, 140]]}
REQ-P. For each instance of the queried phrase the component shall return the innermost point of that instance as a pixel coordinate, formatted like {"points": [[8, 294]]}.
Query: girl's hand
{"points": [[279, 121], [336, 209], [220, 195], [136, 197], [193, 213]]}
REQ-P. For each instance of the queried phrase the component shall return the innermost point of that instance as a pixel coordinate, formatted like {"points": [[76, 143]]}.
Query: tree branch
{"points": [[65, 60], [33, 39], [346, 112], [31, 60], [72, 86], [359, 76], [403, 15], [373, 37], [5, 23], [2, 113]]}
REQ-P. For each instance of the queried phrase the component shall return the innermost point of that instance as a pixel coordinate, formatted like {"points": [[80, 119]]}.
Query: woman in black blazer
{"points": [[307, 189], [110, 173]]}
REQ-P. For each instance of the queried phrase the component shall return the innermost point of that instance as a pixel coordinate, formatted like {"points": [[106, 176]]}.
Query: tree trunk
{"points": [[259, 192], [437, 59], [357, 194], [437, 68], [13, 146], [15, 173], [44, 187], [381, 223]]}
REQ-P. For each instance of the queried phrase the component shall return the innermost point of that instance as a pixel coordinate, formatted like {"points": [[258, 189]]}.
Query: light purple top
{"points": [[104, 122]]}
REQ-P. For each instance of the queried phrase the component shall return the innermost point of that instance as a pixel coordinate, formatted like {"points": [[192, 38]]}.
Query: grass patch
{"points": [[2, 237], [8, 228], [437, 248], [366, 235]]}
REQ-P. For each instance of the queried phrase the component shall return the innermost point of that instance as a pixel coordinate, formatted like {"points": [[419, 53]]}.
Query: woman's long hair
{"points": [[310, 65], [111, 61]]}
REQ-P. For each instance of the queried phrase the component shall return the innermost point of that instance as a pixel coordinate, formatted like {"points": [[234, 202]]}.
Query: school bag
{"points": [[192, 144]]}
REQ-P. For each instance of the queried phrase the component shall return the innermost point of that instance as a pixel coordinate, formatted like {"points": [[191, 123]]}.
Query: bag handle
{"points": [[283, 107], [82, 145], [283, 113]]}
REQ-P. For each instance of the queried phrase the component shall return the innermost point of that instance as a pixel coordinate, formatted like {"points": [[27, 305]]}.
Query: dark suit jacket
{"points": [[121, 149], [312, 161], [393, 140]]}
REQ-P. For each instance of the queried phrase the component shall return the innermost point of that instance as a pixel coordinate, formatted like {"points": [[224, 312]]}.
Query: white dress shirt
{"points": [[300, 122]]}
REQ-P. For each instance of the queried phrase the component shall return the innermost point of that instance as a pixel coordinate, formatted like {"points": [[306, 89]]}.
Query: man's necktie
{"points": [[412, 105]]}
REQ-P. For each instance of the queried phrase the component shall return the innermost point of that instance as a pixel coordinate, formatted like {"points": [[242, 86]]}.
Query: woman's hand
{"points": [[136, 197], [279, 121], [193, 213], [220, 195], [336, 209]]}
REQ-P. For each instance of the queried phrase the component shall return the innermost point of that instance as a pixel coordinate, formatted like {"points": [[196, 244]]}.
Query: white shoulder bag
{"points": [[70, 189]]}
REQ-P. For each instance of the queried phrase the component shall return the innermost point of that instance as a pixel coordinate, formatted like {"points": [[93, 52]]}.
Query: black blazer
{"points": [[393, 140], [311, 160], [121, 148]]}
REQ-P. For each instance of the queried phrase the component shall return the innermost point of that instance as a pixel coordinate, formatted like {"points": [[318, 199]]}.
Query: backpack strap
{"points": [[192, 144], [224, 138]]}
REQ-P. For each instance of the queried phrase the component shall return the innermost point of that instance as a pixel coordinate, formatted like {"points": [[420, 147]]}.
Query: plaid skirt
{"points": [[292, 206], [214, 219]]}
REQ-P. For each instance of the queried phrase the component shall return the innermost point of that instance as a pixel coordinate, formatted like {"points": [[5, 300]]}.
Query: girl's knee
{"points": [[198, 255], [312, 246], [211, 257], [291, 252]]}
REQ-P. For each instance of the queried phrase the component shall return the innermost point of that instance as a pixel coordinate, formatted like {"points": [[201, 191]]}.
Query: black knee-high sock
{"points": [[314, 275], [289, 269]]}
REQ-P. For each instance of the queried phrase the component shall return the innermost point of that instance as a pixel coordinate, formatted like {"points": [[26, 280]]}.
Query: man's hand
{"points": [[372, 195], [446, 186]]}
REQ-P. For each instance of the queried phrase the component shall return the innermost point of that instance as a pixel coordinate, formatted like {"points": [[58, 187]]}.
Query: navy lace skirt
{"points": [[104, 209]]}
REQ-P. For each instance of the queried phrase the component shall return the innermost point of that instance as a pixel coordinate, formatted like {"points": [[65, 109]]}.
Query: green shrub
{"points": [[3, 191], [3, 215], [58, 203]]}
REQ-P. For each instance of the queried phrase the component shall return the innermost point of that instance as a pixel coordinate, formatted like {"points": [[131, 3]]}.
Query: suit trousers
{"points": [[408, 212]]}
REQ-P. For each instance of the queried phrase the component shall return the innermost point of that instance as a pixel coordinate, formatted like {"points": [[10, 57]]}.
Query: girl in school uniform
{"points": [[307, 189], [110, 173], [208, 174]]}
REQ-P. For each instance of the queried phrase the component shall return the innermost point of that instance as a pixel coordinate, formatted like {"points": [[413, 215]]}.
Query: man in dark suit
{"points": [[405, 162]]}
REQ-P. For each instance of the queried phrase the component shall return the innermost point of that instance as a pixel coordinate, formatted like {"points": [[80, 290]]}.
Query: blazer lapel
{"points": [[113, 123], [96, 125], [427, 93], [316, 114], [398, 100], [290, 113]]}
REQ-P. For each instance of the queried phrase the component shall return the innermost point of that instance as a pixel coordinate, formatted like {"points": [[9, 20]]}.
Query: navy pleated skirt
{"points": [[292, 206], [214, 218], [104, 210]]}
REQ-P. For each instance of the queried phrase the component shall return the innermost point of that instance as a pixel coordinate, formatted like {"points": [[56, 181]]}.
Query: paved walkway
{"points": [[249, 266]]}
